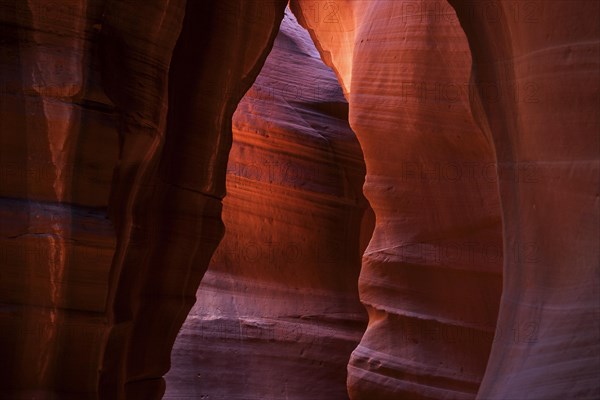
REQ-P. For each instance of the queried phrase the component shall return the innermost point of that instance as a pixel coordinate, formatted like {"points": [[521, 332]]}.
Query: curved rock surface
{"points": [[545, 126], [431, 276], [102, 107], [545, 142], [479, 126], [277, 313]]}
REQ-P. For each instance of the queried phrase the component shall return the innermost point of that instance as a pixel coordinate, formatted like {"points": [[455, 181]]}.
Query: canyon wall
{"points": [[431, 275], [532, 94], [114, 152], [543, 57], [277, 313], [479, 127]]}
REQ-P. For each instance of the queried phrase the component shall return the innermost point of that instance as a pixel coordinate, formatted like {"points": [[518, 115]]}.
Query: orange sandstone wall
{"points": [[431, 275], [277, 313]]}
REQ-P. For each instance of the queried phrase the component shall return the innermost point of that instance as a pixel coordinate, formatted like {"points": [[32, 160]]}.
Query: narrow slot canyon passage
{"points": [[299, 199], [277, 313]]}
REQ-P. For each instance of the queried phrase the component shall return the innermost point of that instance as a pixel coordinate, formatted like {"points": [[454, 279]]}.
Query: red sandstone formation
{"points": [[544, 131], [431, 276], [545, 125], [479, 126], [104, 104], [277, 314]]}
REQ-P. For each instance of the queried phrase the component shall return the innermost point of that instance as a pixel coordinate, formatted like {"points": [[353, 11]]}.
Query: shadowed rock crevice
{"points": [[277, 313], [167, 188]]}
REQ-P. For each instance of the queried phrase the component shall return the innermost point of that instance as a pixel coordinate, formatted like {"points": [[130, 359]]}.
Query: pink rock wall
{"points": [[277, 313], [479, 129], [545, 125], [529, 60]]}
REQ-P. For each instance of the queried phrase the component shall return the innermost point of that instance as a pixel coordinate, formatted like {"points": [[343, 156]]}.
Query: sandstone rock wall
{"points": [[544, 57], [534, 85], [277, 313], [105, 106], [479, 126], [431, 276]]}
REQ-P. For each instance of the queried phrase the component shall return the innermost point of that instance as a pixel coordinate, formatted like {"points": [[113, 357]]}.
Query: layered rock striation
{"points": [[533, 87], [277, 313], [431, 275], [114, 152], [543, 58], [479, 129]]}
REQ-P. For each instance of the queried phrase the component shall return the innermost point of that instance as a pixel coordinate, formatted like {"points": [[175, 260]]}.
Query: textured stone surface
{"points": [[59, 145], [545, 125], [535, 86], [431, 276], [101, 110], [277, 313], [115, 120]]}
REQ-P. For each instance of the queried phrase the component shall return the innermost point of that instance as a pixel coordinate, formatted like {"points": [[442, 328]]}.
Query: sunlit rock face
{"points": [[277, 314], [532, 111], [112, 170], [431, 275]]}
